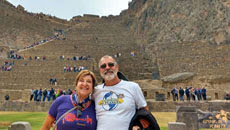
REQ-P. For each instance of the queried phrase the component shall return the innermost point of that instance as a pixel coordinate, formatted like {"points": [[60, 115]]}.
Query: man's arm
{"points": [[143, 122], [146, 108]]}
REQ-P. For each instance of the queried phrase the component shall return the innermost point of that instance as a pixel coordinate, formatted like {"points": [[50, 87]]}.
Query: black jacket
{"points": [[144, 114]]}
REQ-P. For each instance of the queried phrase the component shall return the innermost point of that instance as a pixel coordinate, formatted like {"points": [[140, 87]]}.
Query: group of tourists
{"points": [[55, 36], [7, 66], [117, 55], [38, 58], [191, 93], [15, 56], [49, 95], [74, 68], [75, 58], [53, 81]]}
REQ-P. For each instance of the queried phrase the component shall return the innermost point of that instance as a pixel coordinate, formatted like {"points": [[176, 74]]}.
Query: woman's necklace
{"points": [[80, 106]]}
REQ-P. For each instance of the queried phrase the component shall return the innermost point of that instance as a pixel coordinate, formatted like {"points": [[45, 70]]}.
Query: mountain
{"points": [[20, 28], [166, 37]]}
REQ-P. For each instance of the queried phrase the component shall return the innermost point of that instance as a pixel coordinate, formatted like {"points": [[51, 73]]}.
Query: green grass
{"points": [[36, 119]]}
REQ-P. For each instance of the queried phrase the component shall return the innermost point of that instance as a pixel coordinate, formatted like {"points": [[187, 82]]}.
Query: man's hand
{"points": [[136, 127]]}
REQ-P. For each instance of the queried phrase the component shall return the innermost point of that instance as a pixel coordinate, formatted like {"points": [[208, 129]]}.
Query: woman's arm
{"points": [[48, 123]]}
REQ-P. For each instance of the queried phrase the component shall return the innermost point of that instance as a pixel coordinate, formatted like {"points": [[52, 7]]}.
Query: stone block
{"points": [[176, 126], [20, 126], [178, 77], [208, 98], [188, 115], [180, 109]]}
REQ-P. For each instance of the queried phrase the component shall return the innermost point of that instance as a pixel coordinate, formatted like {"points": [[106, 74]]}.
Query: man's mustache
{"points": [[109, 71]]}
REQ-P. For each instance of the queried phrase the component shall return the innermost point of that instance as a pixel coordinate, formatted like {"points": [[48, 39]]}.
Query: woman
{"points": [[76, 111]]}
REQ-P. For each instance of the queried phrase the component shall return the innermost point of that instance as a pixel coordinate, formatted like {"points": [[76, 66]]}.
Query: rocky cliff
{"points": [[183, 35]]}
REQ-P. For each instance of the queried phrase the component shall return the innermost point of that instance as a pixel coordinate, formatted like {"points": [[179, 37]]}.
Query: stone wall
{"points": [[24, 106], [149, 93], [19, 95], [170, 106], [154, 106]]}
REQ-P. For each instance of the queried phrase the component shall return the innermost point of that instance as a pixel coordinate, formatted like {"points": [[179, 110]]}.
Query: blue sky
{"points": [[66, 9]]}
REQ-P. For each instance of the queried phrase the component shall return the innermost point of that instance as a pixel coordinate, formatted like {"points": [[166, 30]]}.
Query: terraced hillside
{"points": [[20, 28], [200, 57], [92, 39], [28, 74], [167, 36]]}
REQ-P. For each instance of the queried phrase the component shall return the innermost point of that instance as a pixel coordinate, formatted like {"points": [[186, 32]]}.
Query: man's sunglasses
{"points": [[110, 64]]}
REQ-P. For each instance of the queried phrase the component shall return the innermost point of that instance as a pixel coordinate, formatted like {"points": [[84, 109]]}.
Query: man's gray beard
{"points": [[109, 76]]}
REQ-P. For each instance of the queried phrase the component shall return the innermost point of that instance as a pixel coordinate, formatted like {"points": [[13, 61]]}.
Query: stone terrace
{"points": [[95, 39], [202, 58], [28, 74]]}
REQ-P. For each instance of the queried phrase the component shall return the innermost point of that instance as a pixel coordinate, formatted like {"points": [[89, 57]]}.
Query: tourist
{"points": [[7, 97], [44, 92], [204, 93], [187, 93], [39, 95], [31, 94], [76, 111], [116, 99], [181, 93], [36, 95]]}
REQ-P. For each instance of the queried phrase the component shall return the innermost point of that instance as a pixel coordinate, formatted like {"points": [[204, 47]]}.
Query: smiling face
{"points": [[84, 86], [108, 68]]}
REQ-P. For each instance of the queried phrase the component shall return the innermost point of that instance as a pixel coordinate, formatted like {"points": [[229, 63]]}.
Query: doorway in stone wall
{"points": [[216, 96], [168, 95]]}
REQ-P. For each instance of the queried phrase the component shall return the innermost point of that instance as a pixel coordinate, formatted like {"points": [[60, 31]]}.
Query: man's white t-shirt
{"points": [[116, 105]]}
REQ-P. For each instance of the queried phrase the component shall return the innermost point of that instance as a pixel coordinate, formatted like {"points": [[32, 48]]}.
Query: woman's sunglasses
{"points": [[110, 64]]}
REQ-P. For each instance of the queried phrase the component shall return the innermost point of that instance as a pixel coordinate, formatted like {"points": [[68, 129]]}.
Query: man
{"points": [[31, 94], [44, 95], [181, 93], [204, 93], [187, 93], [7, 97], [116, 100]]}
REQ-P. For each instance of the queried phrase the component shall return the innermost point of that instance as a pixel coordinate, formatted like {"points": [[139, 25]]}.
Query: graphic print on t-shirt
{"points": [[111, 100], [70, 117]]}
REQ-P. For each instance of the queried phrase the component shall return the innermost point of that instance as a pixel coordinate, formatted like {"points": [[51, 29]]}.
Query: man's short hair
{"points": [[106, 56]]}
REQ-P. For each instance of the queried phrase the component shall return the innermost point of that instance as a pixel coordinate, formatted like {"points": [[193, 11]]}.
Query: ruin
{"points": [[192, 118]]}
